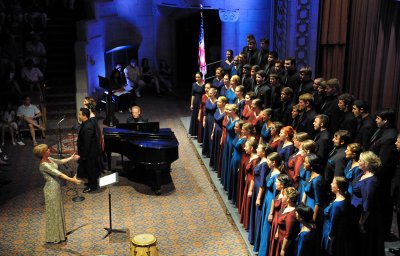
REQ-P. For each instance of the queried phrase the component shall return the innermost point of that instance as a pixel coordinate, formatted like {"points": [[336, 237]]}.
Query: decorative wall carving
{"points": [[302, 32], [229, 15], [280, 25]]}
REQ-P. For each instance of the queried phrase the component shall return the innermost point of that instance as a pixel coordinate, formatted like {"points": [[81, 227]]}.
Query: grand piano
{"points": [[145, 144]]}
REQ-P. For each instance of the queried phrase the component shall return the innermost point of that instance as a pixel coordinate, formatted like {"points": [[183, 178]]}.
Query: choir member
{"points": [[216, 133], [296, 160], [266, 126], [286, 147], [275, 138], [305, 239], [352, 169], [208, 121], [195, 100], [202, 110]]}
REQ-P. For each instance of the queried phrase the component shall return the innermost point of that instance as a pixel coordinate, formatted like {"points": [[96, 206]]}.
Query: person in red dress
{"points": [[288, 225], [247, 131], [202, 110], [282, 182], [275, 139], [250, 149], [249, 97], [296, 160]]}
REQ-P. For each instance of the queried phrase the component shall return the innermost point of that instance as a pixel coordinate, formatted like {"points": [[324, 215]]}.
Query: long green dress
{"points": [[55, 219]]}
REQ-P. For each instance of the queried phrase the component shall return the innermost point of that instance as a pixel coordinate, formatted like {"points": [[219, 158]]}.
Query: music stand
{"points": [[108, 181], [109, 86]]}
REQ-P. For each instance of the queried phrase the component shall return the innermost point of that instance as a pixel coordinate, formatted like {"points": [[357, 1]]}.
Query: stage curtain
{"points": [[360, 45], [373, 60], [333, 38]]}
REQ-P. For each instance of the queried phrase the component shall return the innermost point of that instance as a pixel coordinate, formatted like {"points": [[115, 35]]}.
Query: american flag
{"points": [[202, 52]]}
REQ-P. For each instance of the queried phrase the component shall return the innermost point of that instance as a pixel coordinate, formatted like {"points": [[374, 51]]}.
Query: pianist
{"points": [[136, 117]]}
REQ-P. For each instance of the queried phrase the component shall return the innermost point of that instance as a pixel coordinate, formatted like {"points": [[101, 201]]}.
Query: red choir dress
{"points": [[241, 180], [274, 144], [246, 201], [202, 111], [246, 113], [221, 149], [289, 228], [273, 243], [294, 163]]}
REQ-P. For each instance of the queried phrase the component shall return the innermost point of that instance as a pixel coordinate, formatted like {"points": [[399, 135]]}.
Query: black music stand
{"points": [[108, 181], [109, 86]]}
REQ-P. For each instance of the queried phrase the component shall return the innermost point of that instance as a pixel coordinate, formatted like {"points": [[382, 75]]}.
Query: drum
{"points": [[144, 245]]}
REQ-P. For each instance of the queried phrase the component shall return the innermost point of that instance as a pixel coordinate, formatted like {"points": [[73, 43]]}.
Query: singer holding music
{"points": [[55, 218]]}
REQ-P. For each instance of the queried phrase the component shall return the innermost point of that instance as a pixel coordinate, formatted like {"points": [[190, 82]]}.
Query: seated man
{"points": [[32, 76], [136, 117], [29, 114]]}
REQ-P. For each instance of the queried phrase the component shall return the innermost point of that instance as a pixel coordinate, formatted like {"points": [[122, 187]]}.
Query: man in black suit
{"points": [[337, 157], [284, 113], [136, 116], [382, 143], [330, 105], [347, 120], [322, 138], [366, 124], [306, 84], [88, 151], [307, 115]]}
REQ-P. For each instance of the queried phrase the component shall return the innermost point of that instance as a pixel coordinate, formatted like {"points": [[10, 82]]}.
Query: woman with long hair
{"points": [[195, 101], [55, 217], [208, 121], [277, 166], [296, 160], [275, 138], [336, 228], [266, 126], [251, 149], [216, 133]]}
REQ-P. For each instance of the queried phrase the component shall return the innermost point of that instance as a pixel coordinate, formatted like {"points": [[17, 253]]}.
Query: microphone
{"points": [[62, 119]]}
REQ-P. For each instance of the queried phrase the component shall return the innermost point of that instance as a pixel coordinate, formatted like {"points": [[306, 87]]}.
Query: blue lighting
{"points": [[119, 48]]}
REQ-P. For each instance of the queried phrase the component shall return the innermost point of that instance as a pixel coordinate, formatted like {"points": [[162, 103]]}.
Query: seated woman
{"points": [[121, 96], [9, 120]]}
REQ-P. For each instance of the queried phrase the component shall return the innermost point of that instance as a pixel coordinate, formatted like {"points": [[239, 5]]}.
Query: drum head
{"points": [[144, 240]]}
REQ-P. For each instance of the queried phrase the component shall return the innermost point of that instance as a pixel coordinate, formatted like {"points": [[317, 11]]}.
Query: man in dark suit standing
{"points": [[382, 143], [366, 124], [322, 138], [88, 151], [307, 115]]}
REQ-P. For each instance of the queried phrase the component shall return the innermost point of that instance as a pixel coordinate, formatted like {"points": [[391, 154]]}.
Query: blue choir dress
{"points": [[215, 143], [197, 92], [260, 172], [227, 152], [350, 174], [305, 243], [262, 240], [209, 115], [265, 133], [336, 226], [285, 152], [230, 96], [234, 166]]}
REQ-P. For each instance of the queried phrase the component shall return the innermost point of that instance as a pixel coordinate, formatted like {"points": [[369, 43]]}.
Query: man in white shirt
{"points": [[133, 77], [29, 114], [31, 75]]}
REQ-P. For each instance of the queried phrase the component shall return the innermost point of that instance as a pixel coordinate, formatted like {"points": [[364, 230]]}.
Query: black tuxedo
{"points": [[306, 122], [263, 92], [88, 150], [348, 122], [336, 163], [383, 144], [365, 129], [324, 145], [304, 87], [284, 113]]}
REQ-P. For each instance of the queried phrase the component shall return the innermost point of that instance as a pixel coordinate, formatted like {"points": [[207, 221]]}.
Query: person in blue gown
{"points": [[335, 231], [197, 93], [228, 63], [230, 93], [226, 85], [308, 146], [240, 101], [238, 144], [216, 133], [286, 147], [208, 121], [218, 81], [260, 172], [230, 110], [276, 166], [305, 239], [352, 169], [366, 187], [314, 193], [266, 126]]}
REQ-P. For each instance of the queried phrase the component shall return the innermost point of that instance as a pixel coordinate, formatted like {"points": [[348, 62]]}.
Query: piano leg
{"points": [[109, 161], [157, 186]]}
